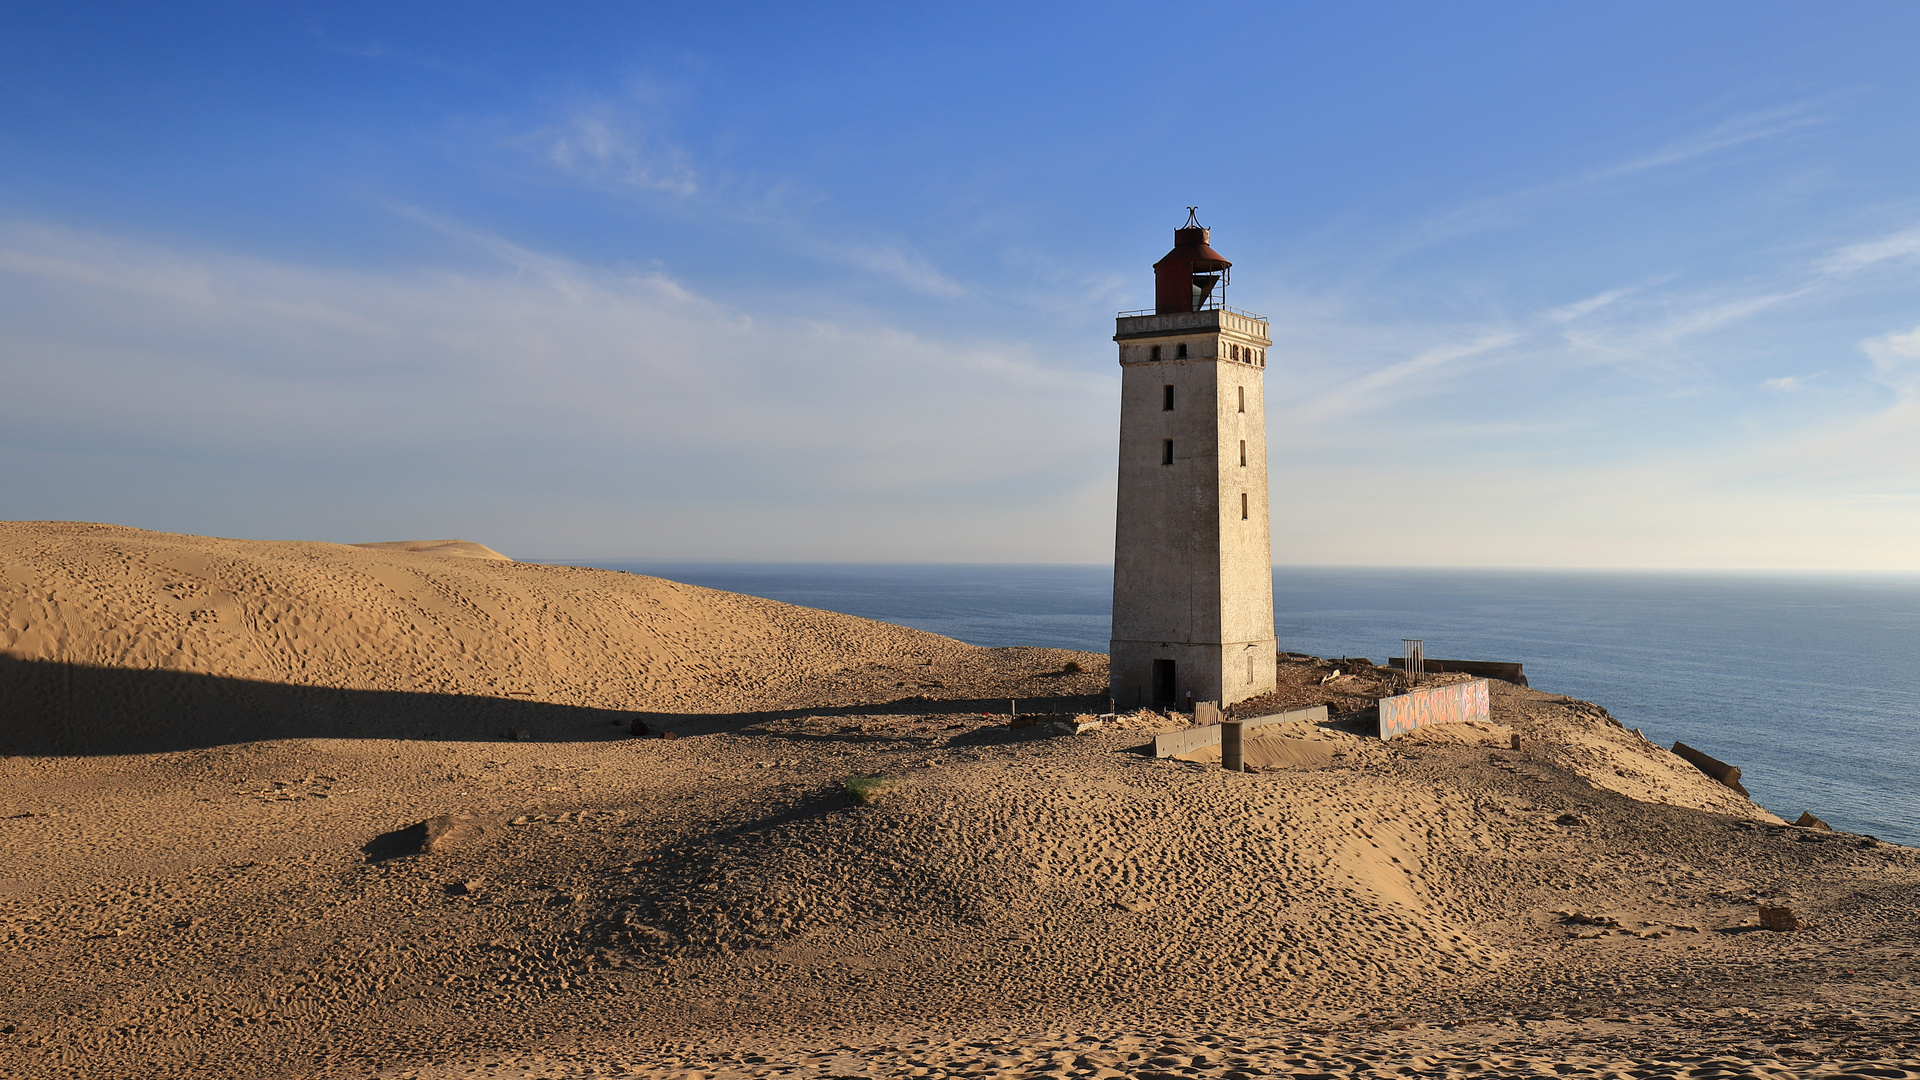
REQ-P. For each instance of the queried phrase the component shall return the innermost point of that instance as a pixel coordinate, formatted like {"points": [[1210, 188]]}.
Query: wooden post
{"points": [[1232, 747]]}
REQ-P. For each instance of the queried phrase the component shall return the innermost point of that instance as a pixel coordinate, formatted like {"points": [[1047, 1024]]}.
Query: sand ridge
{"points": [[465, 549], [390, 618], [221, 629]]}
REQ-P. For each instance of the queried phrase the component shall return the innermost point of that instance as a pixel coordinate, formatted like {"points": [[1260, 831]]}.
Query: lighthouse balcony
{"points": [[1132, 325]]}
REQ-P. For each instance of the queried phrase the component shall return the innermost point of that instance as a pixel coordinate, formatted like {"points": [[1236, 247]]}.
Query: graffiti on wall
{"points": [[1451, 704]]}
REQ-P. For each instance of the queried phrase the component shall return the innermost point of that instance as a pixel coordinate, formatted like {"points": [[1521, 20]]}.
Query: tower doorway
{"points": [[1163, 682]]}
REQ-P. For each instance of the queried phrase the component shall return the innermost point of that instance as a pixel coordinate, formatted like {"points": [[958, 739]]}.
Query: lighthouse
{"points": [[1192, 549]]}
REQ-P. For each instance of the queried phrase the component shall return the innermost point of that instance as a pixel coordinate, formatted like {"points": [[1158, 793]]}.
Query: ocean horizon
{"points": [[1809, 681]]}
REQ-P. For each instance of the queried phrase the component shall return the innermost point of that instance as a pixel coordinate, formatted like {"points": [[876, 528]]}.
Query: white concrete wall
{"points": [[1193, 580]]}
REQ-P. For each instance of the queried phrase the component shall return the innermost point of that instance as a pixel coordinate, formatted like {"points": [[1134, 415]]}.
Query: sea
{"points": [[1809, 683]]}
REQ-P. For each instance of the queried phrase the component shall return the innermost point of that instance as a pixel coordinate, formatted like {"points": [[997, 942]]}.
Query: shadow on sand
{"points": [[51, 708]]}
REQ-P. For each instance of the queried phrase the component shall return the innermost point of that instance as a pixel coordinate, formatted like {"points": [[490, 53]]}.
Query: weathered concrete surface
{"points": [[1175, 743], [1808, 821], [1315, 715], [1193, 553], [1233, 746], [1712, 766], [1453, 703], [1505, 671]]}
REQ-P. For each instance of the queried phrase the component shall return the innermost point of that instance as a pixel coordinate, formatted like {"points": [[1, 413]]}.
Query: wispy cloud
{"points": [[385, 51], [546, 376], [1427, 361], [624, 145], [1866, 456], [602, 144], [1067, 286], [1893, 247], [1648, 325], [894, 261], [1658, 368], [1753, 127], [1507, 209], [1374, 391], [1580, 309], [1896, 357], [1717, 314]]}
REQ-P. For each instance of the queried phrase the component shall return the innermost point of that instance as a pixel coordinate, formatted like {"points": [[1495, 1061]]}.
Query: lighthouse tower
{"points": [[1192, 550]]}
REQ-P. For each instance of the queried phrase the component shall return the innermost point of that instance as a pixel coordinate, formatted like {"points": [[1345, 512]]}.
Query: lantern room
{"points": [[1193, 276]]}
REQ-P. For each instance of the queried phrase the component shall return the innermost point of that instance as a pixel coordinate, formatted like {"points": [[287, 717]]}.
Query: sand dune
{"points": [[472, 634], [1016, 903], [389, 617], [460, 548]]}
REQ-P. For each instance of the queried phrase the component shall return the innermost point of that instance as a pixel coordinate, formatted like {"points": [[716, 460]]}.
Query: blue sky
{"points": [[1618, 284]]}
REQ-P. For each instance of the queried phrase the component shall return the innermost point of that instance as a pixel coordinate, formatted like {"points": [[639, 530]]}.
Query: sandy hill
{"points": [[461, 548], [1013, 903], [138, 640]]}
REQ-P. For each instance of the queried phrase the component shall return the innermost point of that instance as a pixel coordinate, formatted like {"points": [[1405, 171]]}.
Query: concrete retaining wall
{"points": [[1452, 704], [1503, 670], [1175, 743], [1315, 715]]}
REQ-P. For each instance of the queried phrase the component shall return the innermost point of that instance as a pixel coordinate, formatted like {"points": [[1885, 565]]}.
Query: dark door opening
{"points": [[1163, 682]]}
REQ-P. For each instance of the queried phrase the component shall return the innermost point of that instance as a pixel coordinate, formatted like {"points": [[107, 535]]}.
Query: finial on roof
{"points": [[1193, 218]]}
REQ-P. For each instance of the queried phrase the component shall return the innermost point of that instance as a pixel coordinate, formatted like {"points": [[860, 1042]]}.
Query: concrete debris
{"points": [[443, 831], [1808, 821], [436, 834], [1575, 918], [1712, 766]]}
